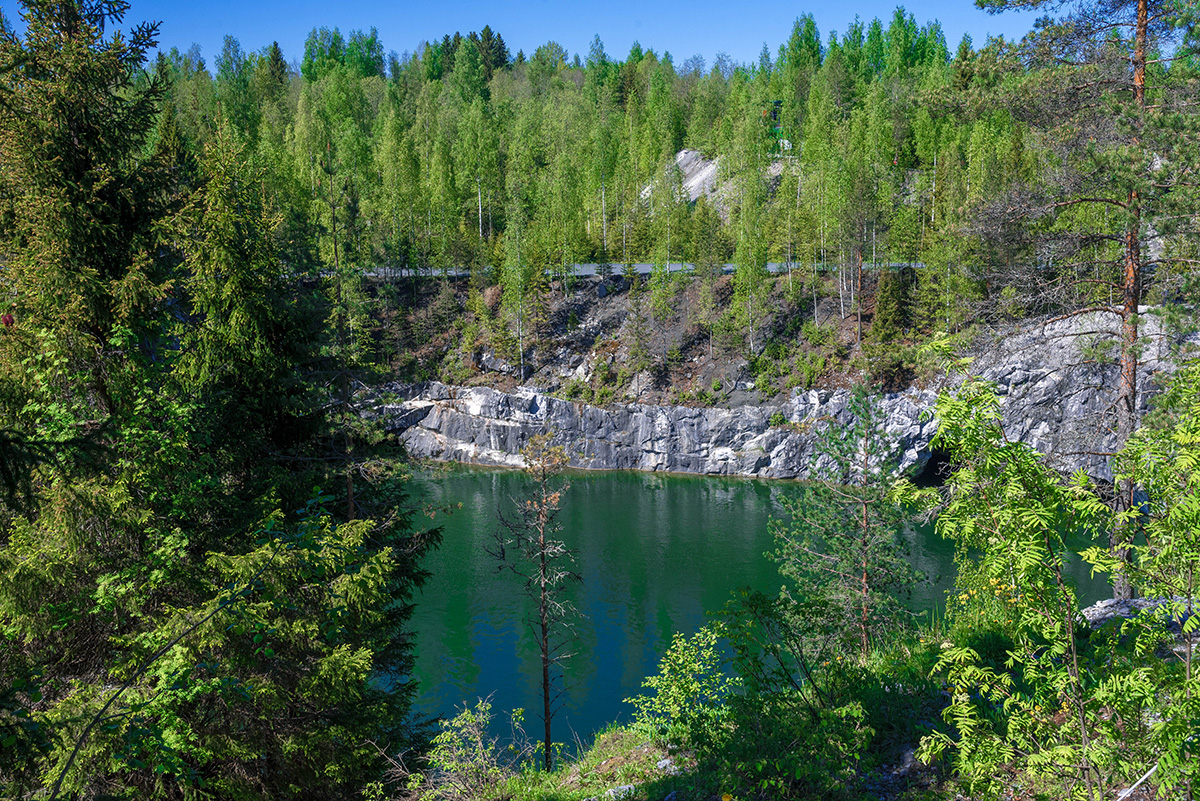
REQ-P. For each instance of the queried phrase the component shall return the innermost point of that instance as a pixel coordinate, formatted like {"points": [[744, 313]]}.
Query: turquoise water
{"points": [[655, 552]]}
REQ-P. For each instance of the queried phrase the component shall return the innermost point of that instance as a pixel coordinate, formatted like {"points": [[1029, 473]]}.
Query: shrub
{"points": [[603, 396], [687, 707], [466, 763], [817, 335]]}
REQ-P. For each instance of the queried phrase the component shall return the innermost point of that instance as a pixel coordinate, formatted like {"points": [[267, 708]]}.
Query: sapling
{"points": [[840, 543]]}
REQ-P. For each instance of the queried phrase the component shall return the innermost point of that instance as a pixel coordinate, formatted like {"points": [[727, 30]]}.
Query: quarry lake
{"points": [[656, 553]]}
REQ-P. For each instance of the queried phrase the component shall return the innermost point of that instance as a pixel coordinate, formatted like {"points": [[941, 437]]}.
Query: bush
{"points": [[807, 370], [817, 335], [782, 751], [889, 364], [575, 390], [605, 374], [687, 707], [775, 350], [799, 728], [466, 763]]}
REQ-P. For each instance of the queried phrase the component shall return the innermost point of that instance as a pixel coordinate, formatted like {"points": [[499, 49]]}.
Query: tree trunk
{"points": [[604, 216], [546, 711], [341, 335], [864, 544], [544, 615], [858, 295], [1131, 297]]}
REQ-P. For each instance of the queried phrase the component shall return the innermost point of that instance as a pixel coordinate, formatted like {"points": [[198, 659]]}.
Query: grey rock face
{"points": [[1056, 389], [483, 426], [490, 361], [1057, 382]]}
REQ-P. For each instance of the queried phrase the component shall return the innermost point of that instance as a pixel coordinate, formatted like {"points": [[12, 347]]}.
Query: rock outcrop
{"points": [[479, 425], [1055, 383]]}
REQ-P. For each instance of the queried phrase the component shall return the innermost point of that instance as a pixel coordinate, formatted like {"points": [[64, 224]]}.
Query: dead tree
{"points": [[526, 545]]}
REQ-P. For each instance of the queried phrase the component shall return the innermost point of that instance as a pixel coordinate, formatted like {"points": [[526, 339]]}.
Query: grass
{"points": [[620, 756]]}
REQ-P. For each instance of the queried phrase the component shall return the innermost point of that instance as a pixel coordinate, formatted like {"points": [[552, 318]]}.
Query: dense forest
{"points": [[207, 558], [1045, 177]]}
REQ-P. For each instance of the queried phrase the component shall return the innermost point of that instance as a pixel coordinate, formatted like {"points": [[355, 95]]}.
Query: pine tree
{"points": [[840, 544], [1121, 133], [528, 548]]}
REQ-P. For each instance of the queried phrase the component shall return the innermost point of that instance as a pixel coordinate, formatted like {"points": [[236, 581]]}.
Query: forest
{"points": [[208, 554]]}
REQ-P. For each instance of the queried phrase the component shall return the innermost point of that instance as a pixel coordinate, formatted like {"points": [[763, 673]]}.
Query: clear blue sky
{"points": [[704, 27]]}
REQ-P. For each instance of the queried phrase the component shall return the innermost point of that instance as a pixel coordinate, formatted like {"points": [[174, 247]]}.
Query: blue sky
{"points": [[704, 27]]}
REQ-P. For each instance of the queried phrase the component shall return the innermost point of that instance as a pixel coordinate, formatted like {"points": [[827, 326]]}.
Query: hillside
{"points": [[602, 341], [659, 395]]}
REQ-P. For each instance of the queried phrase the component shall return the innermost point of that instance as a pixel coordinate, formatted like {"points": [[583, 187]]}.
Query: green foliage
{"points": [[183, 253], [1047, 709], [890, 365], [688, 705], [751, 288], [78, 204], [840, 544], [301, 621], [891, 307], [1164, 459], [465, 763], [152, 640], [638, 326], [796, 729], [817, 335], [898, 151], [807, 369]]}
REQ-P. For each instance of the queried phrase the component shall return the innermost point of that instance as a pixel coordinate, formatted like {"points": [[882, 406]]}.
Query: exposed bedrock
{"points": [[1055, 383], [479, 425]]}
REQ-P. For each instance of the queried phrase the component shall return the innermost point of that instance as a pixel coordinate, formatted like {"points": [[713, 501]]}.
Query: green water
{"points": [[655, 552]]}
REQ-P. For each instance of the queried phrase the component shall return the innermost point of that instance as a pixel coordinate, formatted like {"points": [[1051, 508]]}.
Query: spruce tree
{"points": [[163, 626]]}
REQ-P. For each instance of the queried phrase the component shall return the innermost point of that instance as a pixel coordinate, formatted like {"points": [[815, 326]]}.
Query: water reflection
{"points": [[656, 553]]}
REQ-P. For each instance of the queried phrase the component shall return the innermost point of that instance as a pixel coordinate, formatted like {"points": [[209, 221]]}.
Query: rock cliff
{"points": [[479, 425], [1054, 380], [1057, 383]]}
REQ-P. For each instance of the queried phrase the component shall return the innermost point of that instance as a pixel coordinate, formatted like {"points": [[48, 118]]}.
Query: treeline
{"points": [[879, 144], [871, 145]]}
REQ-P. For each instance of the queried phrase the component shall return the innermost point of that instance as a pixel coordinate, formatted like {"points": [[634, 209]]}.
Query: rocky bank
{"points": [[1055, 381], [480, 425]]}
